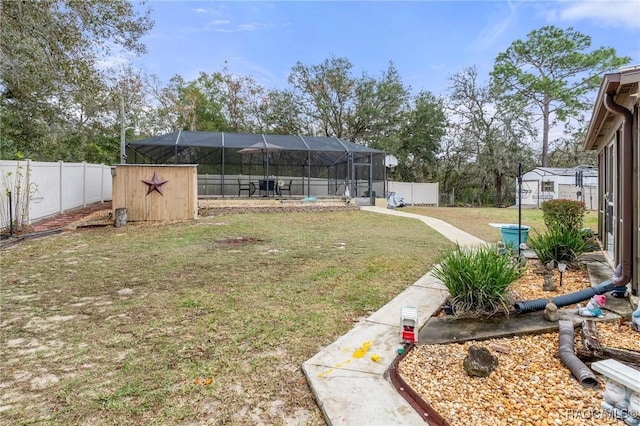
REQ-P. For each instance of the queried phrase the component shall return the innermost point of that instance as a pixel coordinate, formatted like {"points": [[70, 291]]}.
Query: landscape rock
{"points": [[479, 362], [551, 312]]}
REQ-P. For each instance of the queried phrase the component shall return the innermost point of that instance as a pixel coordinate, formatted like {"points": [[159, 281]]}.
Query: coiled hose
{"points": [[564, 299], [565, 348]]}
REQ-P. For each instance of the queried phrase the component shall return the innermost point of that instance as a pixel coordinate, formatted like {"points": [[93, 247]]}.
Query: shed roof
{"points": [[566, 171]]}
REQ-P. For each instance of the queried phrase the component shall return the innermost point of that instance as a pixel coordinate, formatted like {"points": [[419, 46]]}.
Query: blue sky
{"points": [[427, 41]]}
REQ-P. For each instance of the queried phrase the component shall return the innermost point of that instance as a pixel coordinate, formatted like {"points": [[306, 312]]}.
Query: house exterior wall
{"points": [[636, 180], [606, 136], [636, 192]]}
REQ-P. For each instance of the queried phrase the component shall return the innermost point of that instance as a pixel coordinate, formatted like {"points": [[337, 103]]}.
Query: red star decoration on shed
{"points": [[155, 184]]}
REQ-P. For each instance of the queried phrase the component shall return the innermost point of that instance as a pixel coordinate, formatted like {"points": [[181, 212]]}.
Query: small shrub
{"points": [[562, 245], [563, 214], [478, 279]]}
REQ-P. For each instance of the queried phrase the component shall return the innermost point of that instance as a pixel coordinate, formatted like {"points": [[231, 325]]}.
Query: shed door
{"points": [[529, 189]]}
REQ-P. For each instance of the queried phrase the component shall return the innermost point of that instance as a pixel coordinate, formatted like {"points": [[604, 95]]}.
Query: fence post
{"points": [[101, 183], [413, 200], [10, 215], [84, 184], [61, 194], [27, 180]]}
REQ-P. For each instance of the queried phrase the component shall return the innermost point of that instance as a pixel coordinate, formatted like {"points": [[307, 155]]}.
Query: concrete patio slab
{"points": [[429, 281], [426, 299], [355, 398], [353, 351], [445, 329]]}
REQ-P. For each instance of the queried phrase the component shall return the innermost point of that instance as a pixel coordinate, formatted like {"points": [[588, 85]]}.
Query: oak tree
{"points": [[360, 109], [495, 131], [50, 75]]}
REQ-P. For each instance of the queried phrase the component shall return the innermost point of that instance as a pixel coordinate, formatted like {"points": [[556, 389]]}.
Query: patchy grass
{"points": [[476, 220], [207, 321]]}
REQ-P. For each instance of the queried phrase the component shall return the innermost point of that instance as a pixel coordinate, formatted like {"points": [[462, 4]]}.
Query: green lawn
{"points": [[204, 321]]}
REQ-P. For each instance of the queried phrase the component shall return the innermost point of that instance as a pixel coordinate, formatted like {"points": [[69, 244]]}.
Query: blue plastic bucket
{"points": [[509, 235]]}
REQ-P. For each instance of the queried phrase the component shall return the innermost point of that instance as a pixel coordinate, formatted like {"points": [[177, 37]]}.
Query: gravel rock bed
{"points": [[531, 386]]}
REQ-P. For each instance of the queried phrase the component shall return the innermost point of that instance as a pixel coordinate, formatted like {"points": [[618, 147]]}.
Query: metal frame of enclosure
{"points": [[313, 165]]}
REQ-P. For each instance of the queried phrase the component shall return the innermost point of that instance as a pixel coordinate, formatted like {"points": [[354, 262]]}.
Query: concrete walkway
{"points": [[347, 382]]}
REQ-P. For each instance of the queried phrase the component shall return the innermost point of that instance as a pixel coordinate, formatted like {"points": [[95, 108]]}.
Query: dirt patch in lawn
{"points": [[239, 241]]}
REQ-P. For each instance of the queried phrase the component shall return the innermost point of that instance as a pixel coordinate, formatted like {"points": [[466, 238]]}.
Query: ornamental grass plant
{"points": [[562, 245], [478, 279]]}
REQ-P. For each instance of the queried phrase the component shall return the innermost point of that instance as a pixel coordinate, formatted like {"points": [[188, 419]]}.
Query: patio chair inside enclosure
{"points": [[267, 186], [249, 188], [284, 187]]}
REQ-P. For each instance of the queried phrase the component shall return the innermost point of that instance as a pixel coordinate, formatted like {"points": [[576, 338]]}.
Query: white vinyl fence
{"points": [[416, 193], [41, 189]]}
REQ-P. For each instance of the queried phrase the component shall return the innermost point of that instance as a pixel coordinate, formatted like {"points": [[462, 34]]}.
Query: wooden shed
{"points": [[156, 192]]}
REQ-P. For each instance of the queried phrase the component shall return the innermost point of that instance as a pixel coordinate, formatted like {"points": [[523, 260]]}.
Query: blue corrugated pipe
{"points": [[567, 299]]}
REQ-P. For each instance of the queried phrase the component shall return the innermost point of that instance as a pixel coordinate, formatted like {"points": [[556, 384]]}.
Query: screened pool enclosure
{"points": [[239, 164]]}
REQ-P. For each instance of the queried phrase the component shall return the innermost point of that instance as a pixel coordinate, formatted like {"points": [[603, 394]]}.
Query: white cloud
{"points": [[254, 26], [206, 11], [606, 13], [111, 55], [240, 66], [109, 62], [497, 27]]}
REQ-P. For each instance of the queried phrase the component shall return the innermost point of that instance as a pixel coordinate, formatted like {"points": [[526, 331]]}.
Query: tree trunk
{"points": [[630, 358], [594, 351], [545, 131], [121, 217], [590, 339], [622, 355], [499, 202]]}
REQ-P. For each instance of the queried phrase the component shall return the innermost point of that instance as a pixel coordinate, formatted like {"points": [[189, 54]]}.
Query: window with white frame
{"points": [[547, 186]]}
